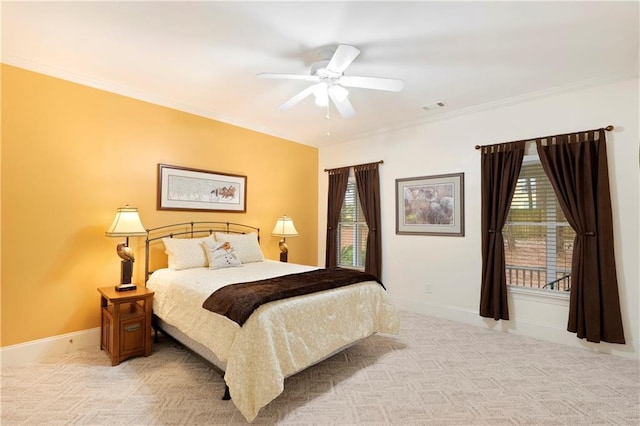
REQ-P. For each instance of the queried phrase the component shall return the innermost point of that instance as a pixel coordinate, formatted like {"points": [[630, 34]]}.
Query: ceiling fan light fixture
{"points": [[322, 100], [320, 92]]}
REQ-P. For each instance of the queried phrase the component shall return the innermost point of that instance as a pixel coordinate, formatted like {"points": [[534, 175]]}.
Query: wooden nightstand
{"points": [[126, 323]]}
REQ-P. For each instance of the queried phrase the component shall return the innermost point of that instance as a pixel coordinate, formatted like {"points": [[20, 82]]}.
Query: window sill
{"points": [[553, 296], [357, 268]]}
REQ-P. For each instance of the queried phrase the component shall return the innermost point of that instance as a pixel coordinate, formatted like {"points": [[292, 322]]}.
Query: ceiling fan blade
{"points": [[344, 107], [376, 83], [297, 98], [342, 58], [289, 76]]}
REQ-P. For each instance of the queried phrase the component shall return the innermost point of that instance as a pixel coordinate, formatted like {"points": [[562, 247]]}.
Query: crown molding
{"points": [[500, 103], [130, 92]]}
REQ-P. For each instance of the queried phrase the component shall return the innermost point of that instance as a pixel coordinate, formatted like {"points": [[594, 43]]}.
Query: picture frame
{"points": [[184, 188], [430, 205]]}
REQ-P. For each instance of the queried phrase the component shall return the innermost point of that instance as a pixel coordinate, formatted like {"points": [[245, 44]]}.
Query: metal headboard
{"points": [[190, 230]]}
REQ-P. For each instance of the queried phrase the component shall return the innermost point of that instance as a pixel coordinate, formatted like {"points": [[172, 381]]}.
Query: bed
{"points": [[281, 337]]}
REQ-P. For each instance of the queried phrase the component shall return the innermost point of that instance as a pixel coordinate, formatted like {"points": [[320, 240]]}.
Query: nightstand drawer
{"points": [[132, 333]]}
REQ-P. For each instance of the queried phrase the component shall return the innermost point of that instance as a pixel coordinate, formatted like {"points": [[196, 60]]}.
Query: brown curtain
{"points": [[368, 183], [499, 174], [338, 180], [576, 165]]}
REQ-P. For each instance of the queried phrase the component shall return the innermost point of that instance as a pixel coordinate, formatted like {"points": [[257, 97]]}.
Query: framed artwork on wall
{"points": [[182, 188], [430, 205]]}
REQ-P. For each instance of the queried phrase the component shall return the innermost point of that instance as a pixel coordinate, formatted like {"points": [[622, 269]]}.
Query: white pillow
{"points": [[246, 245], [185, 253], [221, 255]]}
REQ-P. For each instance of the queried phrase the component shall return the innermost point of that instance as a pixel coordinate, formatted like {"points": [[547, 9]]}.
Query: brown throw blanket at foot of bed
{"points": [[238, 301]]}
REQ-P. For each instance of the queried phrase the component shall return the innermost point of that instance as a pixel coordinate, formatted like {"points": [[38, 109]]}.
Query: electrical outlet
{"points": [[428, 289]]}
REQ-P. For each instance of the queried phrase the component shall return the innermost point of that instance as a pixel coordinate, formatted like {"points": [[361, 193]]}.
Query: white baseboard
{"points": [[535, 330], [24, 353], [36, 350]]}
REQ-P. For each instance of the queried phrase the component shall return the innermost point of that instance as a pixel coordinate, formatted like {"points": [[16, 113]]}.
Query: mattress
{"points": [[281, 337]]}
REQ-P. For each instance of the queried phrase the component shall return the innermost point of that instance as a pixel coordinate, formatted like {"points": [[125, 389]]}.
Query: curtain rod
{"points": [[356, 165], [608, 129]]}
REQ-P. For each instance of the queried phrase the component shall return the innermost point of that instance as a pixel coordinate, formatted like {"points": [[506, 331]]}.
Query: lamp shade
{"points": [[284, 228], [126, 224]]}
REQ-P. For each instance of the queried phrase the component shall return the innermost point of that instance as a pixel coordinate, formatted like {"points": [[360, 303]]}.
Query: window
{"points": [[352, 230], [538, 240]]}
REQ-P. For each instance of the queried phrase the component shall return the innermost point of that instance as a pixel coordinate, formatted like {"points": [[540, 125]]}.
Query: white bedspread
{"points": [[280, 338]]}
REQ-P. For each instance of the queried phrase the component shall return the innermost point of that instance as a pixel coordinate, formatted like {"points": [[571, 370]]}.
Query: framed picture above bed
{"points": [[430, 205], [183, 188]]}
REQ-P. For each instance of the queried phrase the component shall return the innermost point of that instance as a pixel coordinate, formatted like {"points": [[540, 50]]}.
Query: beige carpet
{"points": [[436, 372]]}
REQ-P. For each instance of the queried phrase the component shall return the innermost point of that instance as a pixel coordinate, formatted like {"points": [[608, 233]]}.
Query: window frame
{"points": [[539, 291]]}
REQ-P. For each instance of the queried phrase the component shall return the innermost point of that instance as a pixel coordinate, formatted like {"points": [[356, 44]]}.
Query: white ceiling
{"points": [[203, 57]]}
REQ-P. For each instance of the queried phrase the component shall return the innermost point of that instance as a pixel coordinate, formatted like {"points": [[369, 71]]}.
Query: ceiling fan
{"points": [[330, 81]]}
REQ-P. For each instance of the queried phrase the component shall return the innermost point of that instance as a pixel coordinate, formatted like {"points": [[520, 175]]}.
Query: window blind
{"points": [[352, 230], [537, 237]]}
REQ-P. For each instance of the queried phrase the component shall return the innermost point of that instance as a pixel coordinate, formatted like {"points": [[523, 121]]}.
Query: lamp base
{"points": [[284, 250], [126, 287], [126, 270]]}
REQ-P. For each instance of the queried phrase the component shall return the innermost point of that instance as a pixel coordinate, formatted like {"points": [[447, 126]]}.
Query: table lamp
{"points": [[284, 228], [126, 224]]}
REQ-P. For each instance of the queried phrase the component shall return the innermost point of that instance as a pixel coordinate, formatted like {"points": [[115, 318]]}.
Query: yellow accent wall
{"points": [[71, 155]]}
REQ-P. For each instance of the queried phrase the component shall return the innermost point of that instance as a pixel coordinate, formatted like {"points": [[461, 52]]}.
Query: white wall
{"points": [[451, 266]]}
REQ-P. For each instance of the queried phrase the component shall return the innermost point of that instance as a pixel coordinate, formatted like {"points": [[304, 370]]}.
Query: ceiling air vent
{"points": [[430, 107]]}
